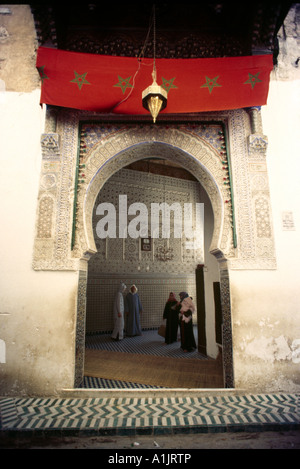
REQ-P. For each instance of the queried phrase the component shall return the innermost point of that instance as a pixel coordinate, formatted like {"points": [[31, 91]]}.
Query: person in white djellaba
{"points": [[118, 313]]}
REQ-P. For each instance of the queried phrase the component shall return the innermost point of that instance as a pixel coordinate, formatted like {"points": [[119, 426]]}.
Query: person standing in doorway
{"points": [[133, 309], [118, 312]]}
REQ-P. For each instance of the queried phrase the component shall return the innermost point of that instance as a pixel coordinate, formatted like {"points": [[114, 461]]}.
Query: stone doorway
{"points": [[76, 164], [160, 146]]}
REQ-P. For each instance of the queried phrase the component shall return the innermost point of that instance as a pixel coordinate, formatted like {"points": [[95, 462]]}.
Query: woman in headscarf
{"points": [[186, 309], [171, 316], [133, 309]]}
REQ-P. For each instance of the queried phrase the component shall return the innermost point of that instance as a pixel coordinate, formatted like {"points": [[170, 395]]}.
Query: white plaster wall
{"points": [[36, 326], [265, 321], [36, 308]]}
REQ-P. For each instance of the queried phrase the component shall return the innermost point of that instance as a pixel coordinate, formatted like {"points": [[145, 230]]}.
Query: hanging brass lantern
{"points": [[154, 98]]}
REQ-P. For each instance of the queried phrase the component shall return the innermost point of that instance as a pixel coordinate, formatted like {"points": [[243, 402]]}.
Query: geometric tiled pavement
{"points": [[150, 343], [143, 414]]}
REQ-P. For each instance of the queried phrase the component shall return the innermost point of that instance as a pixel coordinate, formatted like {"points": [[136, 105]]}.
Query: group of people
{"points": [[128, 308], [178, 314]]}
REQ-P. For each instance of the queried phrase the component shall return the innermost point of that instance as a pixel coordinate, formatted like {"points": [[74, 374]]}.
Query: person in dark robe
{"points": [[171, 317], [186, 308], [133, 309]]}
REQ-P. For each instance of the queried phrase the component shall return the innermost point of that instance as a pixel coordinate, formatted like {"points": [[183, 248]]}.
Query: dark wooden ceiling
{"points": [[183, 29]]}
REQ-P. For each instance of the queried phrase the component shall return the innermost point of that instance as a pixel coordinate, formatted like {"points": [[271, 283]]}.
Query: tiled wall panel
{"points": [[123, 260]]}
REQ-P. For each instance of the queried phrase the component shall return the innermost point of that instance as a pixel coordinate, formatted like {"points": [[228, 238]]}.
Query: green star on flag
{"points": [[252, 80], [168, 84], [211, 83], [80, 79], [42, 73], [123, 83]]}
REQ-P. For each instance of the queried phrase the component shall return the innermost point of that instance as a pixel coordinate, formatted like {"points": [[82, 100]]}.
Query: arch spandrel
{"points": [[192, 153], [111, 140]]}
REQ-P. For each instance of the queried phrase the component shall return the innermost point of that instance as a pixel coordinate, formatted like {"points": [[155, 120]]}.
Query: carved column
{"points": [[226, 325], [80, 329], [259, 187], [256, 141], [46, 209]]}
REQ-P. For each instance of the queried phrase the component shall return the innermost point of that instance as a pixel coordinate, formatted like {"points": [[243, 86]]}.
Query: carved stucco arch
{"points": [[192, 153]]}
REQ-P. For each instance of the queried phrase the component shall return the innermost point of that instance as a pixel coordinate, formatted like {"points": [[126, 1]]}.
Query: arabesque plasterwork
{"points": [[183, 145]]}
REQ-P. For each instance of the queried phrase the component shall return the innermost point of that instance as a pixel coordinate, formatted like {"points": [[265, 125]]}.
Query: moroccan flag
{"points": [[111, 84]]}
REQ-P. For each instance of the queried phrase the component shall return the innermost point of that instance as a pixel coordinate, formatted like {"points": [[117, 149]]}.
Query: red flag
{"points": [[111, 84]]}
